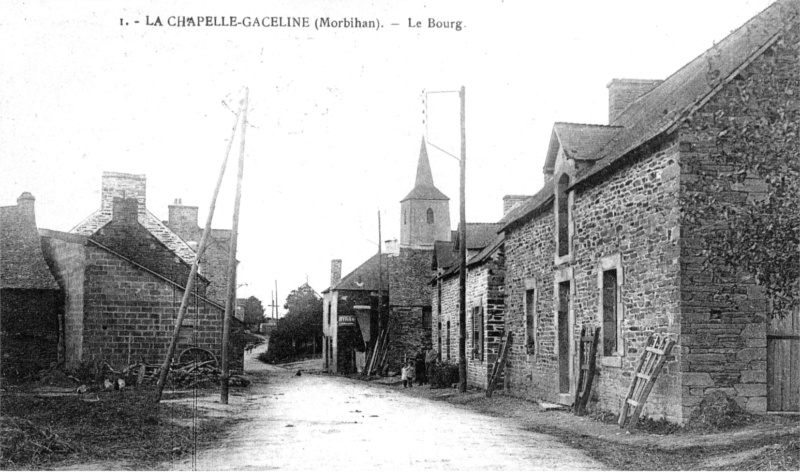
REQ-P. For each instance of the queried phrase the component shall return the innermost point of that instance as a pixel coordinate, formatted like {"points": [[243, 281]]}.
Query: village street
{"points": [[320, 422]]}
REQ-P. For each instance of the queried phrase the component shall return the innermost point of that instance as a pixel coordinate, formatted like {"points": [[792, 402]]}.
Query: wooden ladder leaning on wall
{"points": [[655, 353]]}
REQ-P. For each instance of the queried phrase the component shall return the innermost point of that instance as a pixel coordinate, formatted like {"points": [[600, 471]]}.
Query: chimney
{"points": [[25, 207], [125, 211], [116, 184], [623, 92], [392, 248], [182, 217], [512, 201], [336, 272]]}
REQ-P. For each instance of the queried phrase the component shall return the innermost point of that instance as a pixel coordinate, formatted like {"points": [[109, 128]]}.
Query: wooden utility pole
{"points": [[380, 274], [193, 274], [231, 298], [276, 299], [462, 256]]}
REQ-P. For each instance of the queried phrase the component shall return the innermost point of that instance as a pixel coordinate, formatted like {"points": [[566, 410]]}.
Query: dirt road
{"points": [[315, 422]]}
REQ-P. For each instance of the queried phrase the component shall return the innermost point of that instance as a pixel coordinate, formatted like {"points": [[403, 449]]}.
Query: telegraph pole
{"points": [[380, 274], [231, 298], [462, 255], [162, 377]]}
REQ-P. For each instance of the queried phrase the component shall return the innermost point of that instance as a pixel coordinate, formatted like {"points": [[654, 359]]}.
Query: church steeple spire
{"points": [[423, 186], [424, 175]]}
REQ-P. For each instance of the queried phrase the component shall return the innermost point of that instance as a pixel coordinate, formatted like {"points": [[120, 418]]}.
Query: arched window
{"points": [[562, 199], [430, 216], [405, 217]]}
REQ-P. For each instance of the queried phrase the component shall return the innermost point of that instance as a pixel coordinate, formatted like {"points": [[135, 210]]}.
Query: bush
{"points": [[443, 374]]}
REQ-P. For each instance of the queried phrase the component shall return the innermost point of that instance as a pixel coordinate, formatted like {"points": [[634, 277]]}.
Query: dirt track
{"points": [[315, 422]]}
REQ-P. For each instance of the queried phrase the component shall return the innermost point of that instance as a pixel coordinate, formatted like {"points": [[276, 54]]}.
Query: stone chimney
{"points": [[119, 185], [392, 247], [623, 92], [336, 272], [25, 208], [512, 201], [125, 211], [182, 217]]}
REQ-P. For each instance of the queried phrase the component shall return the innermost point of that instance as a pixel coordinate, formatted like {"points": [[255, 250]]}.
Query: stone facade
{"points": [[615, 240]]}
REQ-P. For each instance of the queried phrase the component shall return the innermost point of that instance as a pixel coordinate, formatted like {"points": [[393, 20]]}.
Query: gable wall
{"points": [[67, 261], [726, 317]]}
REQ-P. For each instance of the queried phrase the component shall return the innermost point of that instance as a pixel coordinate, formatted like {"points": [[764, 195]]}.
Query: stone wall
{"points": [[449, 312], [725, 313], [530, 249], [632, 216], [130, 313]]}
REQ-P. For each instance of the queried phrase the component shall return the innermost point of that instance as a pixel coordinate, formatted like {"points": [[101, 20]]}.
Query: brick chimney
{"points": [[623, 92], [116, 184], [125, 211], [512, 201], [182, 218], [336, 272], [25, 208]]}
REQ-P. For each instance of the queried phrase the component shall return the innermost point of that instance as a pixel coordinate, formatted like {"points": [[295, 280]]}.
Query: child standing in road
{"points": [[411, 373], [404, 375]]}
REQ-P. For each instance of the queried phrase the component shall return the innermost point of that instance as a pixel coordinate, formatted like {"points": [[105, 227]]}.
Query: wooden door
{"points": [[783, 363]]}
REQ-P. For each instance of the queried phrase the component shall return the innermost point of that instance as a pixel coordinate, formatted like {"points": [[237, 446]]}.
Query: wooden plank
{"points": [[660, 352], [793, 402], [773, 379]]}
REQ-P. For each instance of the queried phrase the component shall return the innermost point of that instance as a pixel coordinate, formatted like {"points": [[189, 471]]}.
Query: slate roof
{"points": [[669, 103], [364, 277], [580, 141], [663, 108], [444, 254], [423, 186], [156, 227], [22, 264], [480, 237]]}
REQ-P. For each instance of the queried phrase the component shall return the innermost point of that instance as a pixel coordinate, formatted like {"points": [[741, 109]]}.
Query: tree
{"points": [[298, 332], [253, 312]]}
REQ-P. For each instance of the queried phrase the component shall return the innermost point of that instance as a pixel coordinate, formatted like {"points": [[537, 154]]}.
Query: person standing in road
{"points": [[411, 372], [421, 371], [404, 375]]}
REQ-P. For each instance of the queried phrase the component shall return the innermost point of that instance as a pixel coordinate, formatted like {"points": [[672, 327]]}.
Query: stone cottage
{"points": [[610, 240], [405, 272], [123, 290], [31, 302], [485, 307]]}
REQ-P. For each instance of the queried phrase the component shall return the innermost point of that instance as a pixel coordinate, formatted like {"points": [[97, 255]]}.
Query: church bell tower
{"points": [[425, 212]]}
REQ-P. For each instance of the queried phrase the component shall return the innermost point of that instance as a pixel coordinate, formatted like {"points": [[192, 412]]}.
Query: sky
{"points": [[335, 117]]}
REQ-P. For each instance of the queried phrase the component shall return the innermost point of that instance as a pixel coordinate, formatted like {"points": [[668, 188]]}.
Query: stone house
{"points": [[31, 302], [606, 241], [484, 296], [123, 289], [214, 265], [405, 272]]}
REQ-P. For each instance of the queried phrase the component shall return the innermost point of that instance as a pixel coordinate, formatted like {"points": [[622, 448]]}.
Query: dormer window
{"points": [[429, 216]]}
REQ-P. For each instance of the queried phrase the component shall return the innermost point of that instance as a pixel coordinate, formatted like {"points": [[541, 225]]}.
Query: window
{"points": [[329, 313], [531, 321], [426, 317], [609, 285], [439, 331], [609, 312], [405, 217], [448, 340], [562, 200], [429, 216], [477, 333]]}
